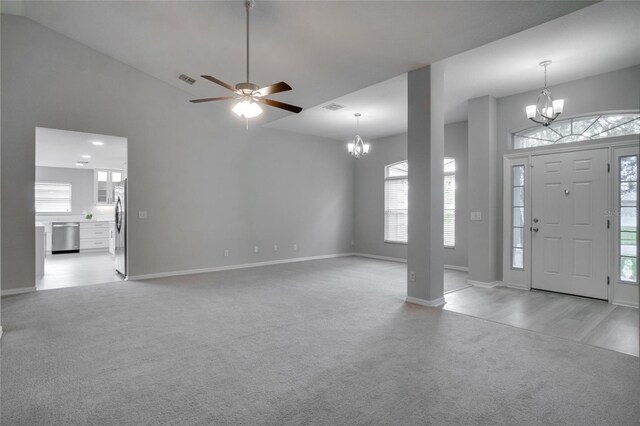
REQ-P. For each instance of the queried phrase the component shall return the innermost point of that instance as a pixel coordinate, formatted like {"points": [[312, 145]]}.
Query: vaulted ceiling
{"points": [[324, 49]]}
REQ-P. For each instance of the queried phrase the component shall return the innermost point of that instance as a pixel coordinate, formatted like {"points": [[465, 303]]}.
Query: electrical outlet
{"points": [[275, 247], [255, 249], [142, 214], [412, 276], [476, 215], [226, 253], [295, 247], [353, 243]]}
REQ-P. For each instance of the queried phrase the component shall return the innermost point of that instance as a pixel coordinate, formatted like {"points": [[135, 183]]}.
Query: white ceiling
{"points": [[323, 49], [601, 38], [62, 148], [383, 107]]}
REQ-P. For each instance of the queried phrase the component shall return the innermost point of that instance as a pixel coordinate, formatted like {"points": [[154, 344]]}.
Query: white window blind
{"points": [[449, 202], [53, 197], [396, 200]]}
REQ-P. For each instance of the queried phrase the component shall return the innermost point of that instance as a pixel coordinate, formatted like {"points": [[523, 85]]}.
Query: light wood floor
{"points": [[455, 280], [583, 320], [77, 269]]}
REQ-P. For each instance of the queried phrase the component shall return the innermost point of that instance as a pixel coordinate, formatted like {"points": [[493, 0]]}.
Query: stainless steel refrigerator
{"points": [[120, 195]]}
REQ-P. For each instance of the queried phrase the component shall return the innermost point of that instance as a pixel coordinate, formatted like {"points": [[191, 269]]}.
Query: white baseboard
{"points": [[232, 267], [483, 284], [430, 303], [516, 286], [14, 291], [627, 304], [399, 259], [456, 268], [375, 256]]}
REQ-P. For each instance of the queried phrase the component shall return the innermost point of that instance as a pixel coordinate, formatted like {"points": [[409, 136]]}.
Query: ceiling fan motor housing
{"points": [[247, 88]]}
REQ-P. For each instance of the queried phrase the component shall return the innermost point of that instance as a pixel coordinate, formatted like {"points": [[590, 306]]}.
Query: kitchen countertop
{"points": [[43, 222]]}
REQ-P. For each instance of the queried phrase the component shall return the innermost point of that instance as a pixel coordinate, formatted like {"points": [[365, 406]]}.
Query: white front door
{"points": [[569, 222]]}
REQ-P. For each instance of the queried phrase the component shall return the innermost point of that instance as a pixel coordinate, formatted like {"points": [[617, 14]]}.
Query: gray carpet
{"points": [[324, 342]]}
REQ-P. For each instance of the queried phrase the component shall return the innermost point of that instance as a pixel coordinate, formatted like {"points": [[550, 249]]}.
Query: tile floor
{"points": [[589, 321], [77, 269]]}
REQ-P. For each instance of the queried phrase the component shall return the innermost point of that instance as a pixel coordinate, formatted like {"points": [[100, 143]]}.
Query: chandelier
{"points": [[546, 109], [357, 148]]}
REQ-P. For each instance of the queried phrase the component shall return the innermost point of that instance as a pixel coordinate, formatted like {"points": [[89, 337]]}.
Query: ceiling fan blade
{"points": [[274, 88], [224, 98], [280, 105], [219, 82]]}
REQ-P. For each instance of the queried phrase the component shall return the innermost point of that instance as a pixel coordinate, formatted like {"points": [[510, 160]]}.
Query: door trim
{"points": [[522, 278]]}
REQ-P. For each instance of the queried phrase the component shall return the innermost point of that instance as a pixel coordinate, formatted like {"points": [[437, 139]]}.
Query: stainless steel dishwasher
{"points": [[65, 237]]}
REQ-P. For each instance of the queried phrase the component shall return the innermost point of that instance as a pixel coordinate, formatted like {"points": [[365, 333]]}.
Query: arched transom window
{"points": [[578, 129]]}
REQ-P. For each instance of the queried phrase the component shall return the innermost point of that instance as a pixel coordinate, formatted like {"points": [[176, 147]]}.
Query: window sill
{"points": [[450, 247], [396, 242]]}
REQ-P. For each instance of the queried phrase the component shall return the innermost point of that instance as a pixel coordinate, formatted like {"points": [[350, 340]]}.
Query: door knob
{"points": [[535, 229]]}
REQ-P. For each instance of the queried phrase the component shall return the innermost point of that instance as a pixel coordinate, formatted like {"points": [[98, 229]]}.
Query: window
{"points": [[396, 200], [628, 205], [517, 220], [53, 197], [449, 202], [578, 130]]}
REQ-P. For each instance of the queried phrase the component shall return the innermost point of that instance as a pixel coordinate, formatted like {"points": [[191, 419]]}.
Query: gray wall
{"points": [[207, 183], [613, 91], [81, 181], [456, 146], [369, 194], [369, 197]]}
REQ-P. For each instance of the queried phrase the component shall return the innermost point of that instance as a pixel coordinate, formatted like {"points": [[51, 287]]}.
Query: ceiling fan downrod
{"points": [[248, 4]]}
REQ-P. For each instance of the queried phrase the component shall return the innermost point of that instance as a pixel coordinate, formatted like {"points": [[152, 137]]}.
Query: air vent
{"points": [[82, 162], [187, 79], [333, 107]]}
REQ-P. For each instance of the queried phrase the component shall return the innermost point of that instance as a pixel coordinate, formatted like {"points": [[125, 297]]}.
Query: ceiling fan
{"points": [[250, 94]]}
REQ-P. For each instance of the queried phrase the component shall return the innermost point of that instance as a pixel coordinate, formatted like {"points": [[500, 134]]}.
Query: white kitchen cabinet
{"points": [[103, 185], [94, 236]]}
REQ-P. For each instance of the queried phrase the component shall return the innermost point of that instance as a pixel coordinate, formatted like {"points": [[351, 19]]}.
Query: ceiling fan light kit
{"points": [[249, 94], [546, 109]]}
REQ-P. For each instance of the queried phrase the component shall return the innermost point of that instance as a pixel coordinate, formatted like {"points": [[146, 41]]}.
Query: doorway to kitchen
{"points": [[80, 208]]}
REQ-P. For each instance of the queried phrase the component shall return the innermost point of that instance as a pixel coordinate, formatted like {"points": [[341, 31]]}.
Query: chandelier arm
{"points": [[550, 118]]}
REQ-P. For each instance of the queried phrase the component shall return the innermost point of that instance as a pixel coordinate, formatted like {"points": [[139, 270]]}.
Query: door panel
{"points": [[569, 204]]}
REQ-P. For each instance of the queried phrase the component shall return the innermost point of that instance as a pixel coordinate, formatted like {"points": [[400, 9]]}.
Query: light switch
{"points": [[142, 214], [255, 249], [275, 247], [412, 276], [476, 215]]}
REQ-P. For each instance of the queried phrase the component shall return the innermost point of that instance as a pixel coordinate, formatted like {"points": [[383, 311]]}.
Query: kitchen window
{"points": [[52, 197]]}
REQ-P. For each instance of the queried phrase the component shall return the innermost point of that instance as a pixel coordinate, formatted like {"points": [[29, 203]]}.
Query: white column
{"points": [[483, 192], [426, 193]]}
